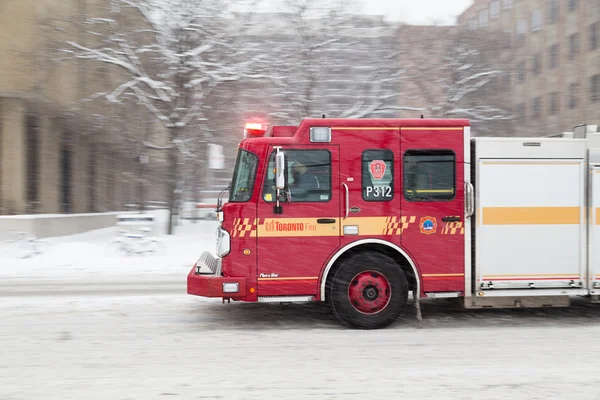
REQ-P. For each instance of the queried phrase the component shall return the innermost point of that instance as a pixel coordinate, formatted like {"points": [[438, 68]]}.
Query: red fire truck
{"points": [[361, 213]]}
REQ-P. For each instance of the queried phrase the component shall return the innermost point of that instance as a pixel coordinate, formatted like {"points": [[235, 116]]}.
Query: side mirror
{"points": [[280, 170]]}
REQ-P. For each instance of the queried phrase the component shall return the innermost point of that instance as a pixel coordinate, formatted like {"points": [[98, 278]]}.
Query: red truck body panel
{"points": [[289, 254]]}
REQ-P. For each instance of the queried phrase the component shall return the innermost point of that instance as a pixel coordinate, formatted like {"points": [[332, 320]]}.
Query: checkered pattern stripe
{"points": [[397, 225], [243, 228], [453, 228]]}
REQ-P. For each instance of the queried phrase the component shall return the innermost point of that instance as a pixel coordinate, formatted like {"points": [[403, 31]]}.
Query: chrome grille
{"points": [[208, 264]]}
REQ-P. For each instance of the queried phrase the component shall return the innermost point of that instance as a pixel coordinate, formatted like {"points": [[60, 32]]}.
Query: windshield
{"points": [[243, 177]]}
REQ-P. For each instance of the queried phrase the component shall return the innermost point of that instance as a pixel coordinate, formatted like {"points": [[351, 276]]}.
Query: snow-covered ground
{"points": [[173, 345], [73, 327], [87, 257]]}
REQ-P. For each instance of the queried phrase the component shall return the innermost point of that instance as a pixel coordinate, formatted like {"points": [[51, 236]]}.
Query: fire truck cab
{"points": [[361, 213]]}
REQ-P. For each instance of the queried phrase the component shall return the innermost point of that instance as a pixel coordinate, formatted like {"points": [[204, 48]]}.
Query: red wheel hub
{"points": [[369, 292]]}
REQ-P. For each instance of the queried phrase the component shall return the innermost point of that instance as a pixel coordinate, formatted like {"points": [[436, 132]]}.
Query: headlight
{"points": [[231, 287], [223, 242]]}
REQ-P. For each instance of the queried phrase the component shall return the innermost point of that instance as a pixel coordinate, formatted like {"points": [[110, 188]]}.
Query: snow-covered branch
{"points": [[170, 57], [462, 81], [330, 61]]}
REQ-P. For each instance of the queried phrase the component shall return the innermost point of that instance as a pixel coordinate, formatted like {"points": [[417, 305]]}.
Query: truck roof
{"points": [[384, 122], [289, 130]]}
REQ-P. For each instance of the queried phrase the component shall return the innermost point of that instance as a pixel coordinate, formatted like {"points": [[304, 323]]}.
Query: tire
{"points": [[25, 248], [155, 247], [41, 246], [31, 247], [116, 247], [384, 293]]}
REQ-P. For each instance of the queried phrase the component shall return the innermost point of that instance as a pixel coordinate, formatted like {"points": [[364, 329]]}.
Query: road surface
{"points": [[102, 340]]}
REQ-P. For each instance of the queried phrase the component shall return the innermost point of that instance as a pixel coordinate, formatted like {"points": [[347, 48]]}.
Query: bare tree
{"points": [[171, 55], [461, 75], [328, 60]]}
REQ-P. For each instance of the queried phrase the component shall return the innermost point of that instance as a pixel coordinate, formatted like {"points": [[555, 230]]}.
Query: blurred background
{"points": [[108, 105], [119, 126]]}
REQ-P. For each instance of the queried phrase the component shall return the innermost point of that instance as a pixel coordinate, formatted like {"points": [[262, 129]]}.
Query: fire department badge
{"points": [[428, 225], [377, 168]]}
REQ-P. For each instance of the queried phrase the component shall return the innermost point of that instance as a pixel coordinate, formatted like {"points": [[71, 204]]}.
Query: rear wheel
{"points": [[40, 246], [117, 247], [369, 291], [155, 247]]}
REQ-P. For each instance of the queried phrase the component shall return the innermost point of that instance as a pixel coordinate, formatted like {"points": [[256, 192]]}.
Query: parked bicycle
{"points": [[27, 245], [138, 244]]}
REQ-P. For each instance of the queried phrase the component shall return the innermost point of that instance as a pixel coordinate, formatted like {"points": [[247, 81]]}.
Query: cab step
{"points": [[285, 299]]}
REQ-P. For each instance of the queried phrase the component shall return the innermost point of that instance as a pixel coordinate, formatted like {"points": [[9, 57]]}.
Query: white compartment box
{"points": [[594, 224], [530, 221]]}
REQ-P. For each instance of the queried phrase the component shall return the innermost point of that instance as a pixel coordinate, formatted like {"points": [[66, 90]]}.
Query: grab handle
{"points": [[469, 200], [347, 201]]}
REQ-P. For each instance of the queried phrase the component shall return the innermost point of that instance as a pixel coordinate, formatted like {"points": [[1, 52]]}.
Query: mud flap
{"points": [[418, 308]]}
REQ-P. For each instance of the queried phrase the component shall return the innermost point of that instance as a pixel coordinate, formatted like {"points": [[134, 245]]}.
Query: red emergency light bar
{"points": [[255, 129]]}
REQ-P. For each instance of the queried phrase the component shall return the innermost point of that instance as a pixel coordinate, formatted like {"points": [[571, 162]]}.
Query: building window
{"points": [[521, 28], [508, 37], [537, 64], [572, 5], [110, 182], [32, 133], [308, 176], [553, 11], [520, 111], [536, 20], [536, 108], [573, 95], [483, 18], [507, 4], [429, 175], [574, 40], [595, 89], [554, 102], [92, 177], [494, 8], [66, 175], [553, 56], [593, 35], [506, 81], [378, 175], [473, 24], [521, 72]]}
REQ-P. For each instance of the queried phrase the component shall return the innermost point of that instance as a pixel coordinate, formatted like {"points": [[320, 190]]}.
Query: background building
{"points": [[555, 53], [57, 153], [537, 60]]}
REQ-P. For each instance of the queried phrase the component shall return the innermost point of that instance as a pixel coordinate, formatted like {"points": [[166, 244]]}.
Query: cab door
{"points": [[370, 174], [294, 245], [432, 168]]}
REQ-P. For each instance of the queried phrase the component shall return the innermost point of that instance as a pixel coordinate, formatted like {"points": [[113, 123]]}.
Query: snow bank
{"points": [[47, 216], [87, 255]]}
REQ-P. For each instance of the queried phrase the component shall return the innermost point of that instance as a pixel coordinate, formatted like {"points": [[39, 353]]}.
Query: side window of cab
{"points": [[429, 175], [308, 176], [377, 175]]}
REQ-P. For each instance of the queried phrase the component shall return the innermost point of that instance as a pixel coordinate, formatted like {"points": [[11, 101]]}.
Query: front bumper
{"points": [[206, 279]]}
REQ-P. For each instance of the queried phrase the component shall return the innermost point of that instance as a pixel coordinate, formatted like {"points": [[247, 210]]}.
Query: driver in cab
{"points": [[305, 183]]}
